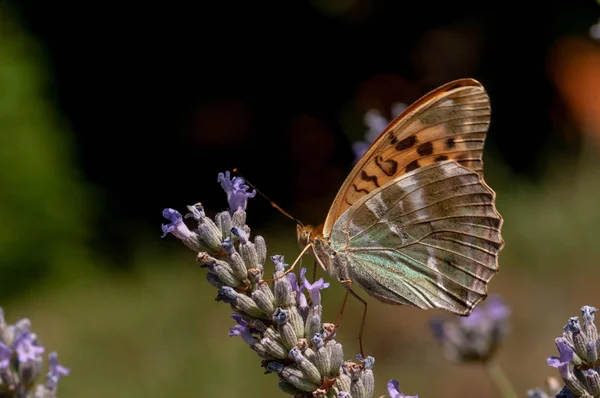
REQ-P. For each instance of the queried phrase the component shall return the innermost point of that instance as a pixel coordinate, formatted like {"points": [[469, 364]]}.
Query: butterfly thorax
{"points": [[331, 261], [326, 256]]}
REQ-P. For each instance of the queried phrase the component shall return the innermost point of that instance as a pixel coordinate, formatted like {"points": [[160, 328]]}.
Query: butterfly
{"points": [[414, 223]]}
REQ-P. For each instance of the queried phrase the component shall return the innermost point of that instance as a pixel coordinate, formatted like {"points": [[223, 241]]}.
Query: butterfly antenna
{"points": [[275, 205]]}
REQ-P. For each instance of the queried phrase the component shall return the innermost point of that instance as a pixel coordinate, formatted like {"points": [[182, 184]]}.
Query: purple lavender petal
{"points": [[227, 245], [26, 351], [496, 309], [236, 191], [57, 370], [5, 355], [242, 330], [177, 227], [566, 354], [437, 328], [477, 317], [240, 234], [297, 287], [314, 289], [394, 390], [376, 123], [359, 148]]}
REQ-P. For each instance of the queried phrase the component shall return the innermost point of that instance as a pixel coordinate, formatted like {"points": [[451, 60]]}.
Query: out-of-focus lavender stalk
{"points": [[22, 364], [476, 338], [281, 323]]}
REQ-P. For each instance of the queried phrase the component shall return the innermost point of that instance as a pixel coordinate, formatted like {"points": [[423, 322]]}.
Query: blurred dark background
{"points": [[160, 99], [111, 113]]}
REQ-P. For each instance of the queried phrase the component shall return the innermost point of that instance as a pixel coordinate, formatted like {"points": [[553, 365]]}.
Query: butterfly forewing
{"points": [[450, 122], [429, 239]]}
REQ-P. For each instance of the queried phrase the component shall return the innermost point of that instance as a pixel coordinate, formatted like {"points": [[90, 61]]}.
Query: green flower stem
{"points": [[499, 379]]}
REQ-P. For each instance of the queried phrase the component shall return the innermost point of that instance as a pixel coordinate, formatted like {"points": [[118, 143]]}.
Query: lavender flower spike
{"points": [[22, 364], [394, 391], [275, 319], [477, 336], [236, 191]]}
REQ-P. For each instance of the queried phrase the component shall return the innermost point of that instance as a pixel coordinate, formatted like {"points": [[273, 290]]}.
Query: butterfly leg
{"points": [[291, 267], [347, 284]]}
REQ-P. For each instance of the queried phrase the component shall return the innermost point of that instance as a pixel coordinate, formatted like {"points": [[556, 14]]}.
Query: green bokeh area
{"points": [[156, 330]]}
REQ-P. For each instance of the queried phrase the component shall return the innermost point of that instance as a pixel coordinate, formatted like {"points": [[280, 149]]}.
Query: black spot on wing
{"points": [[425, 149], [440, 158], [450, 143], [389, 167], [412, 166], [406, 143], [365, 177], [359, 190]]}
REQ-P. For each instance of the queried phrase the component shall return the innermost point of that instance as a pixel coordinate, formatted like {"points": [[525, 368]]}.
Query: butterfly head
{"points": [[306, 234]]}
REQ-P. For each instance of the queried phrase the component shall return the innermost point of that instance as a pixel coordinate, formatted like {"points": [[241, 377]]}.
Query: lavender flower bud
{"points": [[239, 302], [589, 328], [309, 353], [591, 353], [247, 249], [282, 288], [273, 345], [317, 341], [308, 369], [574, 385], [273, 348], [295, 377], [225, 273], [263, 302], [578, 337], [261, 249], [313, 321], [238, 266], [336, 361], [295, 319], [261, 351], [593, 381], [223, 221], [286, 331], [214, 280], [367, 375], [210, 235], [239, 218], [343, 382], [289, 388]]}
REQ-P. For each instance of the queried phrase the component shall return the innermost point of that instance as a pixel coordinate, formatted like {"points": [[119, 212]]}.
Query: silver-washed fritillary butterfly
{"points": [[415, 223]]}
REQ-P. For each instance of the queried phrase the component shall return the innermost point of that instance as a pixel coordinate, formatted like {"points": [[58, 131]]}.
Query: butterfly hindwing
{"points": [[429, 239], [449, 123]]}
